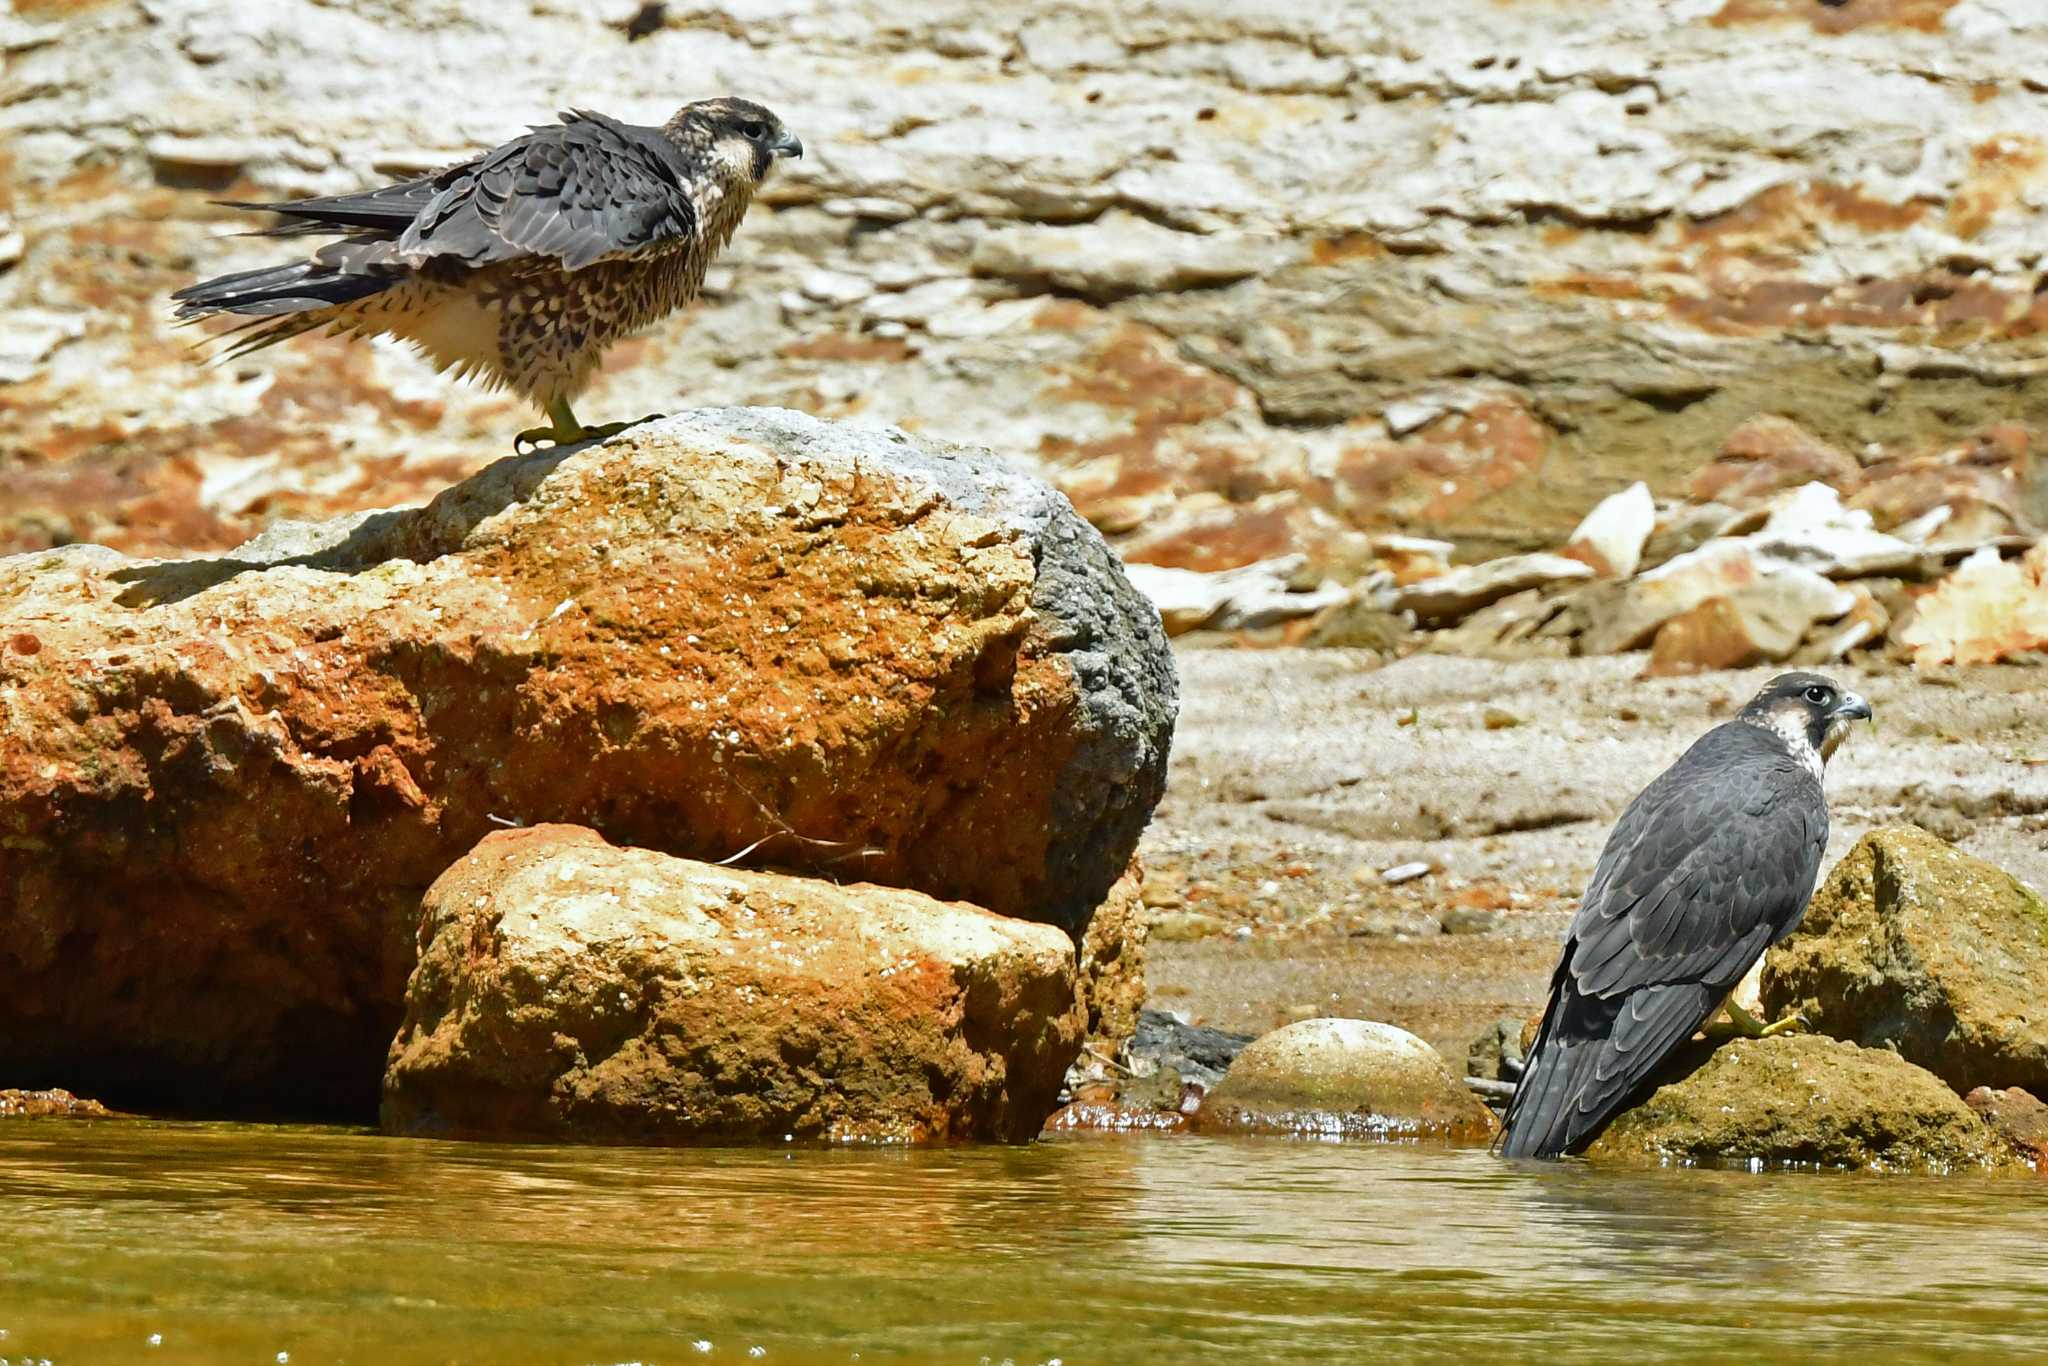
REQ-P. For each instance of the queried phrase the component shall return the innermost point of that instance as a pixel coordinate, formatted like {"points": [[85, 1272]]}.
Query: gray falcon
{"points": [[1711, 864], [521, 265]]}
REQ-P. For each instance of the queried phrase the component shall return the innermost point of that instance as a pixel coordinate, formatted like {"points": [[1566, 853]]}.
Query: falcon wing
{"points": [[581, 191], [383, 212], [1712, 863]]}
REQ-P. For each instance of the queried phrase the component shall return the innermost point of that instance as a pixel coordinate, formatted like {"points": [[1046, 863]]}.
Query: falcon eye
{"points": [[754, 131], [1819, 696]]}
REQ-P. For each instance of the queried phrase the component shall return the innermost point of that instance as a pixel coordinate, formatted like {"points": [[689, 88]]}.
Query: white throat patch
{"points": [[1789, 722]]}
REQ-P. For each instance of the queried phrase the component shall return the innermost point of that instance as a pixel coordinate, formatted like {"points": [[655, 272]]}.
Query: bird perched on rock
{"points": [[1711, 864], [521, 265]]}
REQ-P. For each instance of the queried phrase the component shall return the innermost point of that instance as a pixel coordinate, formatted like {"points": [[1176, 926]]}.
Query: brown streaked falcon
{"points": [[1711, 864], [521, 265]]}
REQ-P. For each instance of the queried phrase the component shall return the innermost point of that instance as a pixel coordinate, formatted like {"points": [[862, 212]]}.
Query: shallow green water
{"points": [[236, 1244]]}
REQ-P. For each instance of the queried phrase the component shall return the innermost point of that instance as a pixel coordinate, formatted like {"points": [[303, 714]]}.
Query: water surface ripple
{"points": [[235, 1243]]}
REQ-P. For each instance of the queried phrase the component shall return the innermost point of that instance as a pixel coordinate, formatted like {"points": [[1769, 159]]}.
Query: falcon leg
{"points": [[1757, 1029], [567, 431]]}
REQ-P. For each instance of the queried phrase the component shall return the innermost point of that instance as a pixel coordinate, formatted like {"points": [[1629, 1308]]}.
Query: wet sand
{"points": [[1298, 775]]}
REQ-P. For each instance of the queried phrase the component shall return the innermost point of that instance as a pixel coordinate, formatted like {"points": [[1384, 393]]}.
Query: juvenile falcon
{"points": [[1711, 864], [521, 265]]}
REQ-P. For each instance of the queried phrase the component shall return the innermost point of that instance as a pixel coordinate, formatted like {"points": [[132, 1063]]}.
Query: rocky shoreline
{"points": [[489, 691]]}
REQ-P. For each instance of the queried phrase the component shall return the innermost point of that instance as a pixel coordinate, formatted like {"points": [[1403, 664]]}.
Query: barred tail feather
{"points": [[277, 303], [296, 288]]}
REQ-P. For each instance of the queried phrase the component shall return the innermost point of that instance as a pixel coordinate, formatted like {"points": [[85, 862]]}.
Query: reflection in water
{"points": [[244, 1242]]}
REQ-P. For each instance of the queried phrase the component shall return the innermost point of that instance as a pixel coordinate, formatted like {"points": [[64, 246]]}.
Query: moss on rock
{"points": [[1803, 1100], [1915, 946]]}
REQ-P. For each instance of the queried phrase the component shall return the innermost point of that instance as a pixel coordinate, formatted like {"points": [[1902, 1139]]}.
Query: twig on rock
{"points": [[782, 827]]}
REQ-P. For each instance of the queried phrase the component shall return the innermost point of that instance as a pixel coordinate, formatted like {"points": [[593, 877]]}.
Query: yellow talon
{"points": [[567, 431], [1757, 1029]]}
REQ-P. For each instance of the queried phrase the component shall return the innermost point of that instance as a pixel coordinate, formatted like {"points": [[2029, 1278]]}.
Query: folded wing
{"points": [[1712, 863]]}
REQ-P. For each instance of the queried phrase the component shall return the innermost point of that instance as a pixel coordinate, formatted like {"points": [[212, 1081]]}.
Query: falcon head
{"points": [[1812, 712], [743, 135]]}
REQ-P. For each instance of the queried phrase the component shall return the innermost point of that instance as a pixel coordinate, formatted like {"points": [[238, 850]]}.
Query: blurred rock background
{"points": [[1242, 283]]}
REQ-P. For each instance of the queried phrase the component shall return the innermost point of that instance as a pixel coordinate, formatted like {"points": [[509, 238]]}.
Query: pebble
{"points": [[1404, 872], [1180, 927], [1471, 920]]}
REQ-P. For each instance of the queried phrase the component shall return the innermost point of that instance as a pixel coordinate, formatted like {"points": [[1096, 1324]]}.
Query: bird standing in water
{"points": [[522, 265], [1710, 865]]}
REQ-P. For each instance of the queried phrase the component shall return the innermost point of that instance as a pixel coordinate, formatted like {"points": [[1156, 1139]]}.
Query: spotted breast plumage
{"points": [[520, 266]]}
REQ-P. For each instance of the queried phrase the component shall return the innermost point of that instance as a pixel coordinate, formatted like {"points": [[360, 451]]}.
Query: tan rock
{"points": [[1184, 926], [1725, 633], [1449, 597], [1911, 944], [1765, 455], [1808, 527], [51, 1104], [570, 989], [1497, 1053], [1357, 624], [1987, 610], [1112, 960], [1245, 598], [1345, 1079], [1411, 559], [1862, 625], [1611, 537], [1517, 626], [1684, 527], [1717, 569], [1989, 486], [1803, 1100], [1120, 254], [2016, 1116], [737, 633], [1776, 600]]}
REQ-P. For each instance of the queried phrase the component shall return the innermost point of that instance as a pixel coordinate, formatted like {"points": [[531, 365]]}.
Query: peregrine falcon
{"points": [[1710, 865], [521, 265]]}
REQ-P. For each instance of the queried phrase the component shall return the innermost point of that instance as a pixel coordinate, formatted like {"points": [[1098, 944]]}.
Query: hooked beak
{"points": [[1850, 707], [788, 146]]}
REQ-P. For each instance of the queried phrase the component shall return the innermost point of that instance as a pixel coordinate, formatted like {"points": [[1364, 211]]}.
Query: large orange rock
{"points": [[570, 989], [224, 783]]}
